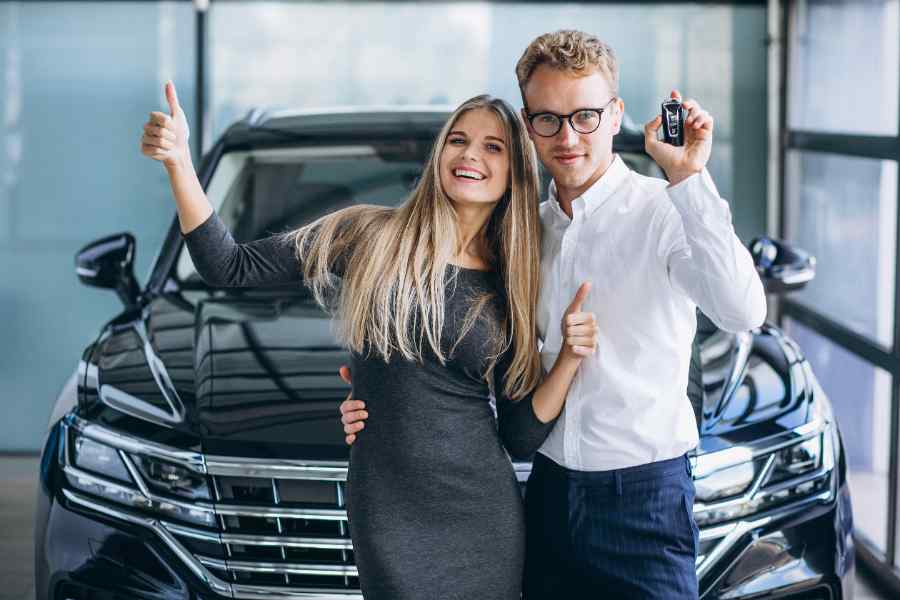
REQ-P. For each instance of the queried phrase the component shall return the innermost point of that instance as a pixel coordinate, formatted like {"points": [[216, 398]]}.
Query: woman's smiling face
{"points": [[474, 163]]}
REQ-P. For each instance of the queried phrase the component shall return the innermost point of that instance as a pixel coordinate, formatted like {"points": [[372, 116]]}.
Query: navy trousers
{"points": [[623, 534]]}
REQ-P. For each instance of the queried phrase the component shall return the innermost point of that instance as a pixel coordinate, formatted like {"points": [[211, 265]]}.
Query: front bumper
{"points": [[89, 547]]}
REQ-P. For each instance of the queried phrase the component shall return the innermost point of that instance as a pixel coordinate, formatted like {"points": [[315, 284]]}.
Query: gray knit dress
{"points": [[433, 503]]}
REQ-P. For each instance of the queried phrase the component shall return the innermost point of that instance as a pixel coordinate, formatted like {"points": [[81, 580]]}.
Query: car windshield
{"points": [[261, 192]]}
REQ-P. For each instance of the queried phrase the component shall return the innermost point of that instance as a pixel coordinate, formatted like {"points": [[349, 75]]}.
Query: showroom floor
{"points": [[17, 479]]}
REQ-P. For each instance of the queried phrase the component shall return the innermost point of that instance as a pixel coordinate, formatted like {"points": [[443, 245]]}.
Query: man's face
{"points": [[574, 159]]}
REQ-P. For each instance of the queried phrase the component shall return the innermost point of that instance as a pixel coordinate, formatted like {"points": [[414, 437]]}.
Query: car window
{"points": [[262, 192]]}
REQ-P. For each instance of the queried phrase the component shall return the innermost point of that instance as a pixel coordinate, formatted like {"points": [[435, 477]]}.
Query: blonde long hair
{"points": [[393, 261]]}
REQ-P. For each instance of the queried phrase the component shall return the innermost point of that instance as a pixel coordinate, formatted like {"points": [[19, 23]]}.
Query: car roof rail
{"points": [[255, 116]]}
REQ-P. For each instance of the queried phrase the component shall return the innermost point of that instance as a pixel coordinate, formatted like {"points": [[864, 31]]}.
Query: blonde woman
{"points": [[437, 303]]}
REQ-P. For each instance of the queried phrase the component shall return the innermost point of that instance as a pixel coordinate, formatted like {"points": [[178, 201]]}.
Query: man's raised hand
{"points": [[679, 163]]}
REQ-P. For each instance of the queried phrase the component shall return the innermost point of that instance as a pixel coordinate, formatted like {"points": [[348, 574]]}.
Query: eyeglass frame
{"points": [[568, 117]]}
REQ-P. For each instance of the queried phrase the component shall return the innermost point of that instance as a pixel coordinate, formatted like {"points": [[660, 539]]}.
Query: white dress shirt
{"points": [[652, 253]]}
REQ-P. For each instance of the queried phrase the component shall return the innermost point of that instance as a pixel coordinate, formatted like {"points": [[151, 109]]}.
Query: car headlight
{"points": [[168, 478], [765, 481], [153, 485], [728, 482], [796, 460], [100, 459]]}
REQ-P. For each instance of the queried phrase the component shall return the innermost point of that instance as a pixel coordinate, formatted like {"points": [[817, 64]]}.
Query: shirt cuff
{"points": [[696, 198]]}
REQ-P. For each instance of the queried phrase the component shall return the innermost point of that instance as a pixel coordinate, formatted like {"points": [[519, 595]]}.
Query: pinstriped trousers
{"points": [[623, 534]]}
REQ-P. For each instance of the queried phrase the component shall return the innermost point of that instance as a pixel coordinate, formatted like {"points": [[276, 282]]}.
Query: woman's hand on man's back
{"points": [[352, 414]]}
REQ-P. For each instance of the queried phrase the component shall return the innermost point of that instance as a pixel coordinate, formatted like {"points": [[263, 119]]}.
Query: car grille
{"points": [[289, 532], [278, 531]]}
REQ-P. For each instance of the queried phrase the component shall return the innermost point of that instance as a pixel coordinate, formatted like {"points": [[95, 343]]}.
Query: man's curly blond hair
{"points": [[569, 50]]}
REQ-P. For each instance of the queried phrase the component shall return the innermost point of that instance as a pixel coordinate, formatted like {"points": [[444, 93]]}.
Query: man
{"points": [[609, 501]]}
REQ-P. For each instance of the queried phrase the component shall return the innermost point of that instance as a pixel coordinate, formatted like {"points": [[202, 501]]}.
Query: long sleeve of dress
{"points": [[222, 262], [521, 432]]}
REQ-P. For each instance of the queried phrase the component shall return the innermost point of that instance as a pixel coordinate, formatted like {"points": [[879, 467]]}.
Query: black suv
{"points": [[197, 452]]}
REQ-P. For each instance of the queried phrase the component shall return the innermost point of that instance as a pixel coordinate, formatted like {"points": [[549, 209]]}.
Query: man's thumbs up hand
{"points": [[579, 329], [166, 136]]}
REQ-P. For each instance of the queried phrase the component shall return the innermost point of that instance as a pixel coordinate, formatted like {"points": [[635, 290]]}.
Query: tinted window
{"points": [[263, 192]]}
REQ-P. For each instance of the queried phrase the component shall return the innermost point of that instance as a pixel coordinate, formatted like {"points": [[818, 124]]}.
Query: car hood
{"points": [[257, 375], [254, 376]]}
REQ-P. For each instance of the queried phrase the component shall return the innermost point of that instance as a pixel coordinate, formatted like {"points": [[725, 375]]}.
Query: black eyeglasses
{"points": [[583, 120]]}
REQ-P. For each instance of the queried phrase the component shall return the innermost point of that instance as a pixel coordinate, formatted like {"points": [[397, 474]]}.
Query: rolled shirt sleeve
{"points": [[704, 258]]}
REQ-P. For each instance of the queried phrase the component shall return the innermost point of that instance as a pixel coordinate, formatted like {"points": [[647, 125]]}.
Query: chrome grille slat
{"points": [[260, 540], [290, 542], [288, 568], [251, 592], [278, 469], [316, 514]]}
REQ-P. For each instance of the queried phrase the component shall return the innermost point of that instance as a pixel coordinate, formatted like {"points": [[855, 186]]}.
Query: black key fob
{"points": [[673, 122]]}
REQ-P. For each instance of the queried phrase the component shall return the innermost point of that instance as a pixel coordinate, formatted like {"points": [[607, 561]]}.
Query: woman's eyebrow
{"points": [[487, 137]]}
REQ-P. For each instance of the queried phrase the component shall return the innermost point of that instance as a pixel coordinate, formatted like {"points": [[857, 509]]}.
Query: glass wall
{"points": [[843, 209], [278, 54], [78, 81], [840, 203], [845, 64]]}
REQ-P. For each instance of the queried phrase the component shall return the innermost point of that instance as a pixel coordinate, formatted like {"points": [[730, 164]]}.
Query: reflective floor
{"points": [[17, 481]]}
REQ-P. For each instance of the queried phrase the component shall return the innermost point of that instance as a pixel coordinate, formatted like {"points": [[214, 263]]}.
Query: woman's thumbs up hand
{"points": [[579, 329], [166, 136]]}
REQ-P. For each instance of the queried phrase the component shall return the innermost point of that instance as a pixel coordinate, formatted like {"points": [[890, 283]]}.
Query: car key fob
{"points": [[673, 122]]}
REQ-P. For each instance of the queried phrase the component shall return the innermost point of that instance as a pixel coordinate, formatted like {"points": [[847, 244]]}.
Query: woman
{"points": [[437, 303]]}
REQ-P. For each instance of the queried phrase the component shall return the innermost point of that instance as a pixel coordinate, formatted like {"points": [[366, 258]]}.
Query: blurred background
{"points": [[805, 96]]}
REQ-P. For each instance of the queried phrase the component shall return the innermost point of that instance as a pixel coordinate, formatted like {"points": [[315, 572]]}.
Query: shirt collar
{"points": [[598, 193]]}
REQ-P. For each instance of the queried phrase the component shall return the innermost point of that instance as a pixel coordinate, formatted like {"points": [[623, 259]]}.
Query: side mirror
{"points": [[781, 268], [109, 263]]}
